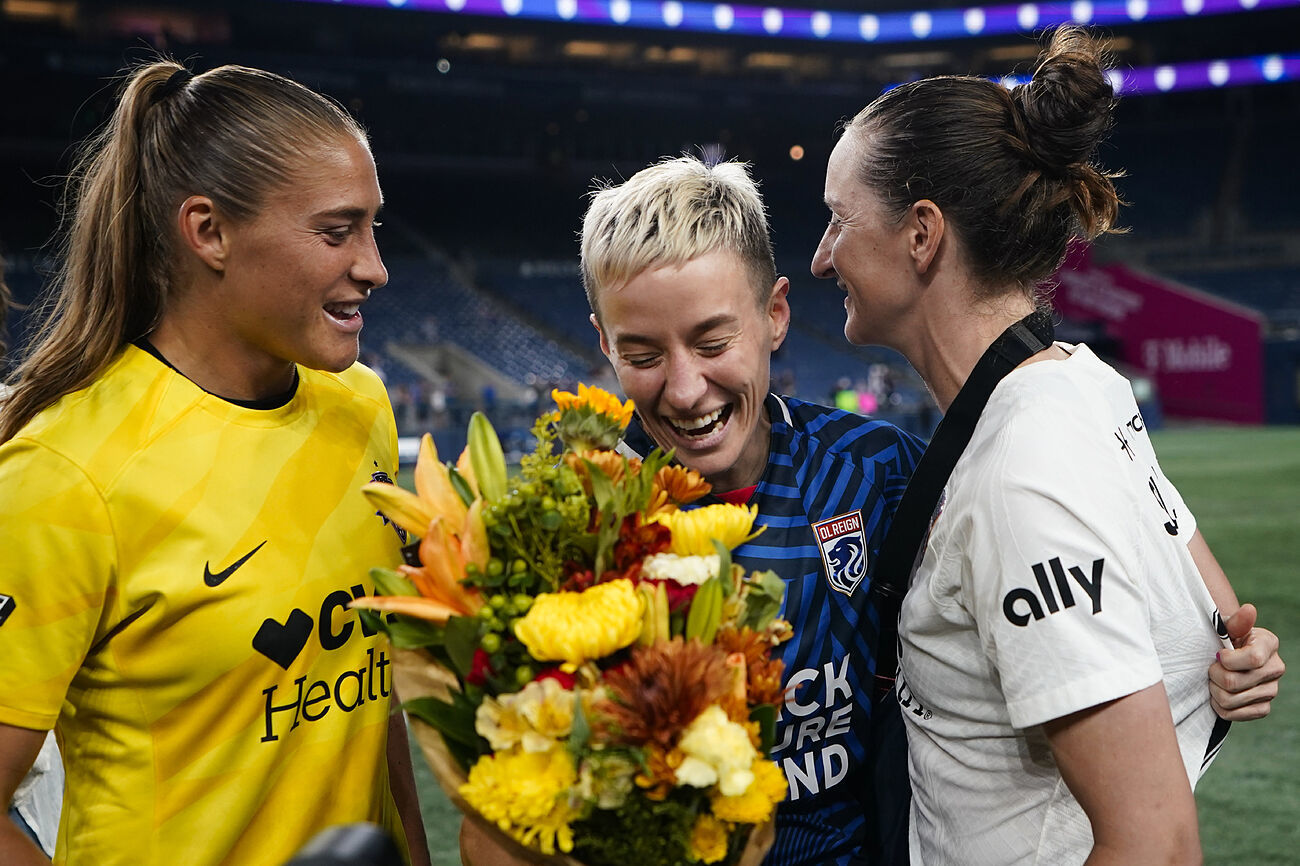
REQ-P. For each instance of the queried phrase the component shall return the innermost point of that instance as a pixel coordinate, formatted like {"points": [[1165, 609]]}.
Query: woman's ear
{"points": [[778, 311], [927, 228], [203, 231]]}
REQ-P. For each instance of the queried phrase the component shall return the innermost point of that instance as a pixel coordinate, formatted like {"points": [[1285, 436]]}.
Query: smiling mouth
{"points": [[698, 428], [343, 312]]}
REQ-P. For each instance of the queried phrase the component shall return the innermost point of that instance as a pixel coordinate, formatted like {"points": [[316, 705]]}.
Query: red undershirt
{"points": [[737, 497]]}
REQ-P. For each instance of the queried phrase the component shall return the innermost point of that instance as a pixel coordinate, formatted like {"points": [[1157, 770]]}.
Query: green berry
{"points": [[490, 643], [498, 601], [524, 675], [522, 602]]}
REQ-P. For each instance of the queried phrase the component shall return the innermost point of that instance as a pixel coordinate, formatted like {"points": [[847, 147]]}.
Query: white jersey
{"points": [[1056, 577]]}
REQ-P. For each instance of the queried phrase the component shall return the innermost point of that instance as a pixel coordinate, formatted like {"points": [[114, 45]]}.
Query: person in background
{"points": [[180, 461], [1055, 638]]}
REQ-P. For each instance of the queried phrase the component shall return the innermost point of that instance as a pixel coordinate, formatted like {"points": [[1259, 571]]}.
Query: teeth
{"points": [[696, 423], [344, 310]]}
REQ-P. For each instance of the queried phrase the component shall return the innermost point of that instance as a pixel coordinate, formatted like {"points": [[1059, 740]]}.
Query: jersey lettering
{"points": [[1021, 604], [813, 724]]}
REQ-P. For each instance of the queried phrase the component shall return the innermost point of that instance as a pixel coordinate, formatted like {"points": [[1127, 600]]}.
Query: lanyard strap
{"points": [[905, 542]]}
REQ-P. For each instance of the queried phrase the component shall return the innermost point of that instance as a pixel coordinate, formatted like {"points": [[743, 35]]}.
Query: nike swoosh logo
{"points": [[220, 577]]}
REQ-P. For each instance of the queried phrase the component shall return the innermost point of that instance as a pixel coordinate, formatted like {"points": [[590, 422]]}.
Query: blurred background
{"points": [[491, 118]]}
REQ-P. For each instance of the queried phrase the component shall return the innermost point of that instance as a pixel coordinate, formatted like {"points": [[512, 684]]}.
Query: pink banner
{"points": [[1205, 354]]}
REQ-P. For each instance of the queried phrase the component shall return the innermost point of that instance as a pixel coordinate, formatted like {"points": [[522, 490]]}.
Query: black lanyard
{"points": [[905, 543]]}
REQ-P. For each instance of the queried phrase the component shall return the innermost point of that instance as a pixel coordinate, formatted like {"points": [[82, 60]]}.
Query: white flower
{"points": [[535, 718], [684, 570], [718, 751]]}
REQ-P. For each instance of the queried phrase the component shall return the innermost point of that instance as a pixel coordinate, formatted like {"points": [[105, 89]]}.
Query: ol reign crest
{"points": [[844, 550]]}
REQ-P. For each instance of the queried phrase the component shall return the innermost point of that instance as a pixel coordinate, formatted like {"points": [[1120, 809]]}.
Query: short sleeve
{"points": [[55, 572], [1056, 575]]}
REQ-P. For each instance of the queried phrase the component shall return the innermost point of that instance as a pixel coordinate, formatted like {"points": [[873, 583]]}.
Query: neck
{"points": [[950, 341], [210, 358]]}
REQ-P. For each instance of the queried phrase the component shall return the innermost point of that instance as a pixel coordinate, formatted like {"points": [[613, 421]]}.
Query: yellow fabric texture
{"points": [[178, 569]]}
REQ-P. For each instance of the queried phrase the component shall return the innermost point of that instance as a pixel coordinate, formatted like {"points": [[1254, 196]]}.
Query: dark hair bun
{"points": [[1067, 106]]}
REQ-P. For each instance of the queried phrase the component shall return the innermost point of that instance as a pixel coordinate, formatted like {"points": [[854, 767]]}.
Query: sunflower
{"points": [[596, 399], [592, 418]]}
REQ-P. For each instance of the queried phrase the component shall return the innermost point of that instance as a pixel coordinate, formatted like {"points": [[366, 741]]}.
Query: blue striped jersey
{"points": [[832, 482]]}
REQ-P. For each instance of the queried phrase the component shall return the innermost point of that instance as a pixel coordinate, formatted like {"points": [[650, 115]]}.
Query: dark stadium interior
{"points": [[489, 131]]}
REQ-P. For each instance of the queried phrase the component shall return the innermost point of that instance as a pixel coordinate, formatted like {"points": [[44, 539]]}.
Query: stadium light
{"points": [[773, 22]]}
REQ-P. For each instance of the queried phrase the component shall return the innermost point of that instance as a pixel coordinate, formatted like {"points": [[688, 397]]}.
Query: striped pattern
{"points": [[822, 463], [232, 721]]}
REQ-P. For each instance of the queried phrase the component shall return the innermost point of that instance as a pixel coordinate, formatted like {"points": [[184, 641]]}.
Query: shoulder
{"points": [[107, 419], [1051, 410], [845, 434], [356, 381]]}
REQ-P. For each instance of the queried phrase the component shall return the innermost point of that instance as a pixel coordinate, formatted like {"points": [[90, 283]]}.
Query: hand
{"points": [[1244, 680]]}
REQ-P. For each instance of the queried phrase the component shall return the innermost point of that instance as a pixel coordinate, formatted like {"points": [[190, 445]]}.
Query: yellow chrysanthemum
{"points": [[574, 627], [760, 798], [596, 399], [694, 531], [526, 794], [708, 840]]}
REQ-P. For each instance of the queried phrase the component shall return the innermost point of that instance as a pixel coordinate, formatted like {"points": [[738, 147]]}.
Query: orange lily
{"points": [[427, 609]]}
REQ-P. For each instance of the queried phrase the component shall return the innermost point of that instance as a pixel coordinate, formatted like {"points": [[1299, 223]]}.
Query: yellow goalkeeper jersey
{"points": [[175, 571]]}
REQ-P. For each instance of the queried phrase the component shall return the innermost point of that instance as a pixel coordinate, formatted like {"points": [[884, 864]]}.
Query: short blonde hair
{"points": [[669, 214]]}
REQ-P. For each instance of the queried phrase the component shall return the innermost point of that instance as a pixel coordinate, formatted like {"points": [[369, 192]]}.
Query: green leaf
{"points": [[390, 582], [724, 567], [407, 633], [580, 733], [763, 601], [460, 485], [461, 641], [602, 489], [455, 721], [765, 715]]}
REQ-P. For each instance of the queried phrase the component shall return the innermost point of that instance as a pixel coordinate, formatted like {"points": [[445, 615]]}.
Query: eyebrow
{"points": [[352, 214], [702, 328]]}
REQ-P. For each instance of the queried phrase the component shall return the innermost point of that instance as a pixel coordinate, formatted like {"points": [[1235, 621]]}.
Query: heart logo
{"points": [[282, 643]]}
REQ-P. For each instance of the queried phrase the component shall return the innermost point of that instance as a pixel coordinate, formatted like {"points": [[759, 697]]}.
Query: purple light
{"points": [[748, 20]]}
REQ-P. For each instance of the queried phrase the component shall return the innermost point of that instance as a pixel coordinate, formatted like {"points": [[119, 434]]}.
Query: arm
{"points": [[1243, 680], [18, 749], [1121, 762], [402, 781]]}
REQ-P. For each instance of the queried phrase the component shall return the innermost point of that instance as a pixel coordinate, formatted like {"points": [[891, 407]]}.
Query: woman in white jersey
{"points": [[1056, 634], [180, 459]]}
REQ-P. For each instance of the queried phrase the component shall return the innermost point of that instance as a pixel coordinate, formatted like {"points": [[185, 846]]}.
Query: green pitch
{"points": [[1244, 486]]}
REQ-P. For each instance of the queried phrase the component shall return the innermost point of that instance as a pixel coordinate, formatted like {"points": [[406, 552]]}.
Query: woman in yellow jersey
{"points": [[180, 456]]}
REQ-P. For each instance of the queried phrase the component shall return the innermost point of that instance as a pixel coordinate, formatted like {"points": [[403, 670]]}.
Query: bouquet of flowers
{"points": [[609, 687]]}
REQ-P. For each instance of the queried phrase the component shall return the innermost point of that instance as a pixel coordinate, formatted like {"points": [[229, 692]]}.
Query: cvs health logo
{"points": [[304, 701]]}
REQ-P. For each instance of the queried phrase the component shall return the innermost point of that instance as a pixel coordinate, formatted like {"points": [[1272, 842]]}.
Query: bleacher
{"points": [[425, 302]]}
